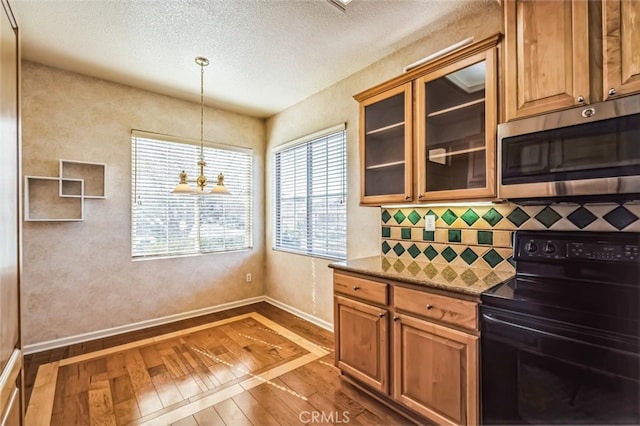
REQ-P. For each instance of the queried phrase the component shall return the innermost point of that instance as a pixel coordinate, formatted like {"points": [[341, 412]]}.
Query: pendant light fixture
{"points": [[183, 186]]}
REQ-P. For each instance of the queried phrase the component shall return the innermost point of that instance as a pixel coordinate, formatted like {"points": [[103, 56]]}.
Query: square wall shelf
{"points": [[43, 203], [93, 175]]}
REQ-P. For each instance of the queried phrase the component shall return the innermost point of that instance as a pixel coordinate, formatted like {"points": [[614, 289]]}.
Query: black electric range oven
{"points": [[560, 343]]}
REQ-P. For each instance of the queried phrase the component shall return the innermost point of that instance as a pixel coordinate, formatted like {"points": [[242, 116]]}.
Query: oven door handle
{"points": [[491, 319]]}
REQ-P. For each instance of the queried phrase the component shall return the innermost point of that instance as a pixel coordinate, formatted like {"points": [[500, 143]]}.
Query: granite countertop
{"points": [[454, 278]]}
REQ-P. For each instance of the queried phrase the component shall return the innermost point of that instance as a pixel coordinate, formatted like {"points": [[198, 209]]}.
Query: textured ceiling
{"points": [[266, 55]]}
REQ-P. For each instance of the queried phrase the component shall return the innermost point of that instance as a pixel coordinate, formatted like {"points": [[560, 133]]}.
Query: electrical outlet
{"points": [[430, 222], [248, 277]]}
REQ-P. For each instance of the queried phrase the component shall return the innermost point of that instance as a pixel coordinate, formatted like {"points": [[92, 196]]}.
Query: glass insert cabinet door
{"points": [[386, 150], [457, 118]]}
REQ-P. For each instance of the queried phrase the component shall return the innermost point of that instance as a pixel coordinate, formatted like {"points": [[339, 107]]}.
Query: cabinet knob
{"points": [[381, 314], [612, 91], [421, 196], [581, 99], [356, 288], [429, 307], [407, 197], [396, 318]]}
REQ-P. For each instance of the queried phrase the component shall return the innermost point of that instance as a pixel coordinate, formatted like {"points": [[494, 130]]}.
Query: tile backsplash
{"points": [[481, 236]]}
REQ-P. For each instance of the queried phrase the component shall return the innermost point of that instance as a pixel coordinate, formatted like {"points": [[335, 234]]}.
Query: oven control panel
{"points": [[625, 253], [544, 248]]}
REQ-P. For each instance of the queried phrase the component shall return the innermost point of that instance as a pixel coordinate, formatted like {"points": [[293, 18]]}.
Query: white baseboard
{"points": [[85, 337], [312, 319]]}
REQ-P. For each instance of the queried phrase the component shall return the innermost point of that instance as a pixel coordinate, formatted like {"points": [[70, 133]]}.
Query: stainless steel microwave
{"points": [[593, 150]]}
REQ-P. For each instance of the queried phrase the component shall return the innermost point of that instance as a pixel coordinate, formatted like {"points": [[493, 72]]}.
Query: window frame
{"points": [[307, 141], [138, 255]]}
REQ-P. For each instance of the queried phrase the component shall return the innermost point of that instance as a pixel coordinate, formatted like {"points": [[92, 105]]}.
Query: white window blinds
{"points": [[310, 196], [164, 224]]}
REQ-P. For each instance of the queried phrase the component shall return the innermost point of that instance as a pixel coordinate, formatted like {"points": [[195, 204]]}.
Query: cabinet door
{"points": [[386, 173], [621, 47], [361, 333], [435, 371], [546, 56], [456, 117]]}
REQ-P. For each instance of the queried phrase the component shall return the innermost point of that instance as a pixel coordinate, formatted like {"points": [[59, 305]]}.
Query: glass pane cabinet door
{"points": [[457, 122], [386, 146]]}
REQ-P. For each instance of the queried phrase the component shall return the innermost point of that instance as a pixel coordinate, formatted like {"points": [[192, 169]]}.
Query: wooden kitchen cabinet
{"points": [[546, 56], [431, 130], [621, 47], [362, 347], [457, 115], [435, 366], [386, 146], [425, 362]]}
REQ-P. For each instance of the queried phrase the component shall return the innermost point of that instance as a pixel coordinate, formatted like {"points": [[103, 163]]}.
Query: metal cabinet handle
{"points": [[382, 314], [356, 288], [429, 307], [612, 91], [580, 98], [396, 318], [407, 197], [421, 196]]}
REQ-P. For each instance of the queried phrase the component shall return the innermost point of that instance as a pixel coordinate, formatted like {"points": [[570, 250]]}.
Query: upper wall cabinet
{"points": [[386, 146], [621, 47], [546, 56], [456, 126], [429, 134]]}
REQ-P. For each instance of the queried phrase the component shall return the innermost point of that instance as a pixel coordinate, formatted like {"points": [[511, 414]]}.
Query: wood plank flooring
{"points": [[254, 365]]}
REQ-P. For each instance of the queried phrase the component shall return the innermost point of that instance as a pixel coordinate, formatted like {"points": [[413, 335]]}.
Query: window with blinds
{"points": [[310, 196], [164, 224]]}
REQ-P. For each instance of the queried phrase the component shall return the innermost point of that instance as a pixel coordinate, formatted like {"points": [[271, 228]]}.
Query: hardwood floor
{"points": [[254, 365]]}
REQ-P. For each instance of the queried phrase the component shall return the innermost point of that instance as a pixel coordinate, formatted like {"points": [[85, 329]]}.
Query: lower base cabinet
{"points": [[401, 346], [435, 370]]}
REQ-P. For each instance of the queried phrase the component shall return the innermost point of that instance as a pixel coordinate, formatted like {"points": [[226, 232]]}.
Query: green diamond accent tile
{"points": [[430, 252], [414, 268], [449, 217], [492, 217], [399, 265], [620, 217], [399, 217], [548, 217], [398, 249], [414, 251], [518, 217], [432, 213], [449, 274], [428, 235], [405, 233], [469, 256], [385, 247], [485, 237], [385, 216], [430, 270], [449, 254], [581, 217], [454, 235], [470, 217], [386, 232], [469, 277], [512, 261], [414, 217], [492, 258]]}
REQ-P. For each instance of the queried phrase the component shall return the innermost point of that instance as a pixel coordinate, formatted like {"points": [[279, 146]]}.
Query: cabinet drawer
{"points": [[361, 288], [442, 308]]}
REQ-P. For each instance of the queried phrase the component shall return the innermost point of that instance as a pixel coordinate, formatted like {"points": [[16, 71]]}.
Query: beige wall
{"points": [[79, 276], [304, 282]]}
